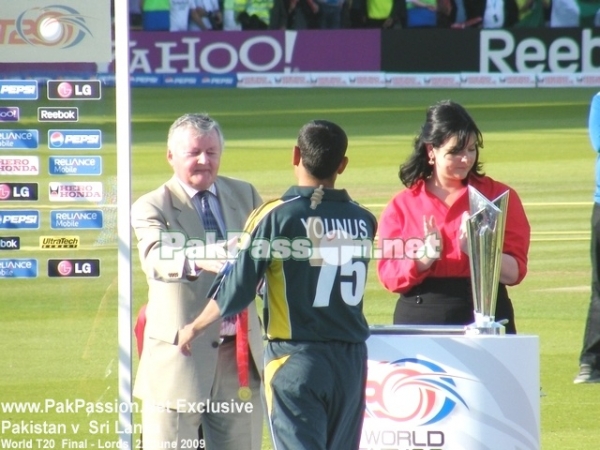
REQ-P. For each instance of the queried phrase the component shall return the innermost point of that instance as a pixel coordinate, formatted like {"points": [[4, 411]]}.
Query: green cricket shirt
{"points": [[314, 263]]}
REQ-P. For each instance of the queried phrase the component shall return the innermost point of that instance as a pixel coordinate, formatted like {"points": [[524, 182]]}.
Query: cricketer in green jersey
{"points": [[312, 249]]}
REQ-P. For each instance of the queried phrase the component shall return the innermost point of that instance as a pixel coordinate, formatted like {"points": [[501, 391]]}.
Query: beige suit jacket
{"points": [[165, 376]]}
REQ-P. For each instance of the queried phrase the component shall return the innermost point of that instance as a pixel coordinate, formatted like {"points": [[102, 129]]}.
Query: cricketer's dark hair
{"points": [[322, 147], [443, 120]]}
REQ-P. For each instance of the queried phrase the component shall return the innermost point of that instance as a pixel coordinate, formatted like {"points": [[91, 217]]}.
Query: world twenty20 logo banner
{"points": [[34, 31], [411, 391], [55, 25]]}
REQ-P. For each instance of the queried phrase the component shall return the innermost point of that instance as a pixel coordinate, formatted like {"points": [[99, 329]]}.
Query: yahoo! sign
{"points": [[269, 51]]}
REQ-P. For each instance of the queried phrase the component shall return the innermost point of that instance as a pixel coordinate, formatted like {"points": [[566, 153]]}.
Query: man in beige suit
{"points": [[180, 393]]}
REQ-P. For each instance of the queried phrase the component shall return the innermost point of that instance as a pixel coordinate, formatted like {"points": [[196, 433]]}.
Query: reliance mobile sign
{"points": [[75, 165], [18, 268], [19, 139], [69, 219]]}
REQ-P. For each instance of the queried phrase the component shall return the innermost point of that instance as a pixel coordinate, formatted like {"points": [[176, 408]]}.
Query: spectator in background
{"points": [[575, 13], [468, 14], [205, 15], [446, 12], [357, 15], [179, 15], [421, 13], [281, 15], [259, 15], [500, 14], [533, 13], [135, 14], [155, 15], [385, 13], [229, 13], [305, 14], [330, 14]]}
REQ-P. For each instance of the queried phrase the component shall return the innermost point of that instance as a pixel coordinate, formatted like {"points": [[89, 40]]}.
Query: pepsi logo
{"points": [[57, 139]]}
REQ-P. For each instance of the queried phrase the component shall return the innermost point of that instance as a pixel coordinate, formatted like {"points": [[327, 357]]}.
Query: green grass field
{"points": [[59, 337]]}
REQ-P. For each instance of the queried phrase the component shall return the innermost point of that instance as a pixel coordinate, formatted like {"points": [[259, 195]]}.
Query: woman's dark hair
{"points": [[443, 120]]}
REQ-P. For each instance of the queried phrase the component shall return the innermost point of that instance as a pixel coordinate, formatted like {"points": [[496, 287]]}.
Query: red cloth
{"points": [[241, 348], [140, 325], [403, 218]]}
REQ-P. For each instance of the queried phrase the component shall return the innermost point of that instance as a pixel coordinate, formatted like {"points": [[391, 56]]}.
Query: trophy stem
{"points": [[485, 235]]}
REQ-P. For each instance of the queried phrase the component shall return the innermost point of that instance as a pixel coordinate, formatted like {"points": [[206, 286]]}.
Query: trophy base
{"points": [[486, 328]]}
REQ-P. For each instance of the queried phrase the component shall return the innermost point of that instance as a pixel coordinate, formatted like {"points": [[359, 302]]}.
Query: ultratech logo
{"points": [[74, 90], [18, 192], [18, 90], [10, 242], [59, 242], [12, 219], [9, 114], [52, 114], [73, 268]]}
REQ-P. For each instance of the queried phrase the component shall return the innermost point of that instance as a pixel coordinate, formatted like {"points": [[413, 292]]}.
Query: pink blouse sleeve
{"points": [[396, 272], [517, 234]]}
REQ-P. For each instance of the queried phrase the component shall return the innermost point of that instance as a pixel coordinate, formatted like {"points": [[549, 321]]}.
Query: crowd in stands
{"points": [[205, 15]]}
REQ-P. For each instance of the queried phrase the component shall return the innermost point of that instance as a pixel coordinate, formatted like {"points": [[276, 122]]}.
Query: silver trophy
{"points": [[485, 234]]}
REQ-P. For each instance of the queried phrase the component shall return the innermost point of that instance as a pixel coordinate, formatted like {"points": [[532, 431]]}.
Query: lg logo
{"points": [[18, 191], [73, 268]]}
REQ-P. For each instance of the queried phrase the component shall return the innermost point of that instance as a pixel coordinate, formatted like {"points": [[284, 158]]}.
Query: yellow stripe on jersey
{"points": [[270, 369], [254, 219], [280, 325], [259, 213]]}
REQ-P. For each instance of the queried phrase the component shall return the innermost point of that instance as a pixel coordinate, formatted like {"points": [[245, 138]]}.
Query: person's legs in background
{"points": [[589, 360]]}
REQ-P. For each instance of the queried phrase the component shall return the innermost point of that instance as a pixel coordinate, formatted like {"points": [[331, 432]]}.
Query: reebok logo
{"points": [[10, 243], [58, 114]]}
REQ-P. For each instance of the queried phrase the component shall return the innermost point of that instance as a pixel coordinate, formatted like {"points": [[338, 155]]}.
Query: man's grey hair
{"points": [[202, 123]]}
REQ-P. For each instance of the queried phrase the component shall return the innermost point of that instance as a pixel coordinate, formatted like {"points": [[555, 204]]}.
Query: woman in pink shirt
{"points": [[432, 273]]}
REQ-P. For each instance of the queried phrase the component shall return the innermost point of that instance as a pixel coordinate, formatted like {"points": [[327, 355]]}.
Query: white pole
{"points": [[123, 142]]}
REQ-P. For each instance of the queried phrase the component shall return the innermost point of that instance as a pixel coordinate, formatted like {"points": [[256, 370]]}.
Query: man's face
{"points": [[195, 159]]}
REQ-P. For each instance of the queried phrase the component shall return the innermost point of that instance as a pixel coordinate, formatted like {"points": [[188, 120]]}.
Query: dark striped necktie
{"points": [[208, 218]]}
